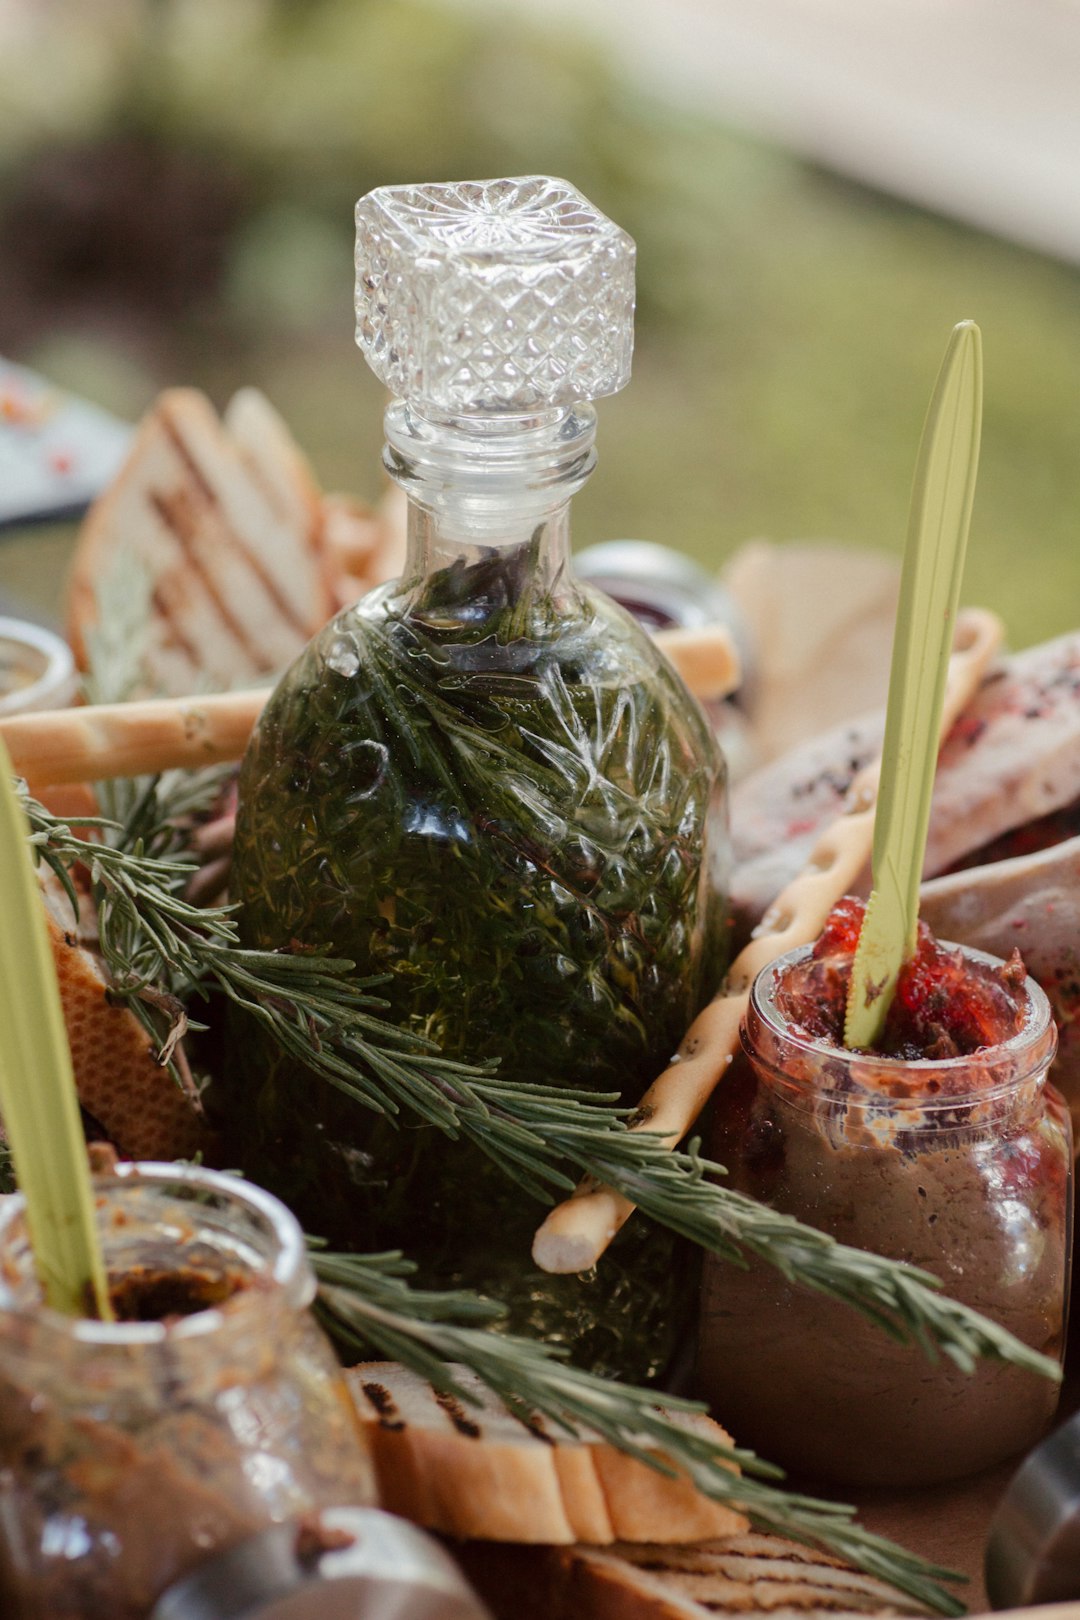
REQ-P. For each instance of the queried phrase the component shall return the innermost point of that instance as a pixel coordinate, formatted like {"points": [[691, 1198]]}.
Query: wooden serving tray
{"points": [[1045, 1611], [949, 1524]]}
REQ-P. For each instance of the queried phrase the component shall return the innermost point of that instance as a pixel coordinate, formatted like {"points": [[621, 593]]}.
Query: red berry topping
{"points": [[944, 1006]]}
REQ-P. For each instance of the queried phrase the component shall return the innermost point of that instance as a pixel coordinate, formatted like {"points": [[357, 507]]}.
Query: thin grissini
{"points": [[137, 739], [576, 1233]]}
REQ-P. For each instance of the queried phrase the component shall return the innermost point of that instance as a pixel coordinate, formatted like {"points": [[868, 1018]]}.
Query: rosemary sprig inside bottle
{"points": [[544, 1138], [367, 1304]]}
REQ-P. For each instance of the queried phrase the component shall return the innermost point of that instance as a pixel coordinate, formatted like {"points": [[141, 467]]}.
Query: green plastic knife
{"points": [[38, 1101], [941, 501]]}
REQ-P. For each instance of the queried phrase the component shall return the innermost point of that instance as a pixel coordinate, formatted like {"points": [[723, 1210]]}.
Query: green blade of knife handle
{"points": [[38, 1100], [941, 502]]}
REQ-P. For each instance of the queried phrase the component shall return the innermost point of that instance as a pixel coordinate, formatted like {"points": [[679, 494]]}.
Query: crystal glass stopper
{"points": [[493, 296]]}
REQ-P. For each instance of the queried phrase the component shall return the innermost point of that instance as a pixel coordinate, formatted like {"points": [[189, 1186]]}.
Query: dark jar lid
{"points": [[665, 589]]}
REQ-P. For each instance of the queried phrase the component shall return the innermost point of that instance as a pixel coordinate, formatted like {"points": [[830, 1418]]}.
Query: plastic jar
{"points": [[962, 1166], [129, 1451]]}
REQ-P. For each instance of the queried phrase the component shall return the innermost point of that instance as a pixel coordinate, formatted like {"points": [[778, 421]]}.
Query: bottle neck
{"points": [[483, 485]]}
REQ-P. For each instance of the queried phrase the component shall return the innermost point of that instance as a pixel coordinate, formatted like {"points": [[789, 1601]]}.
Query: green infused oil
{"points": [[485, 785]]}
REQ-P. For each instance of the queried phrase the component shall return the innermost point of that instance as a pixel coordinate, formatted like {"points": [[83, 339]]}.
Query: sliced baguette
{"points": [[746, 1573], [1012, 757], [476, 1471], [277, 463]]}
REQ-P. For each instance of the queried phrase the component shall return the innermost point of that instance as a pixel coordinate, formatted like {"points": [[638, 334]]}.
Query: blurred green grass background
{"points": [[176, 193]]}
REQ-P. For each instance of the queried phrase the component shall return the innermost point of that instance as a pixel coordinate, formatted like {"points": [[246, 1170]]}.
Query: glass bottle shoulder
{"points": [[547, 750], [514, 652]]}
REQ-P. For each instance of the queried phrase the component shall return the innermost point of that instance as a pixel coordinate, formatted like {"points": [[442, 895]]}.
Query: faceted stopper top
{"points": [[493, 296]]}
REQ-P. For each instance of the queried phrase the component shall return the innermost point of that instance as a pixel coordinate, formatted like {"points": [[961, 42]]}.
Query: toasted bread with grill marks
{"points": [[474, 1470], [226, 518], [743, 1574]]}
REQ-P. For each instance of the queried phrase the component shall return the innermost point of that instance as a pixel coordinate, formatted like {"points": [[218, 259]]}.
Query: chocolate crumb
{"points": [[313, 1538], [103, 1158]]}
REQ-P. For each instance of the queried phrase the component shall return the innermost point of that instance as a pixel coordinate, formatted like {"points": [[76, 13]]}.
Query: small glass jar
{"points": [[37, 669], [129, 1451], [962, 1166]]}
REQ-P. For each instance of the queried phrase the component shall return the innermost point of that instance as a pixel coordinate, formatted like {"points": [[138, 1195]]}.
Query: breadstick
{"points": [[136, 739], [576, 1233], [706, 658], [130, 739]]}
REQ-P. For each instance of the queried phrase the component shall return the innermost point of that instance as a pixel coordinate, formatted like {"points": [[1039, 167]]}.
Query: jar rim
{"points": [[1019, 1058], [288, 1268], [53, 680]]}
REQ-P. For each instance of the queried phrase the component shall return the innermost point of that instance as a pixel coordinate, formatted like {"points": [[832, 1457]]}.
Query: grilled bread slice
{"points": [[474, 1470], [742, 1574], [226, 520]]}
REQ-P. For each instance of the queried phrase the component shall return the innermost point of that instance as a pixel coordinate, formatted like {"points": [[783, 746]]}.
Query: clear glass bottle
{"points": [[960, 1165], [664, 590], [484, 781], [130, 1451]]}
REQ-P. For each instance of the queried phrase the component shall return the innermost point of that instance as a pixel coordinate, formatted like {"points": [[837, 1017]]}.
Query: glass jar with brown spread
{"points": [[959, 1164], [212, 1407]]}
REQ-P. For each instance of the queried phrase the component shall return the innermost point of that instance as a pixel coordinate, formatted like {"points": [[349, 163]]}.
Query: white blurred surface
{"points": [[57, 452], [969, 107]]}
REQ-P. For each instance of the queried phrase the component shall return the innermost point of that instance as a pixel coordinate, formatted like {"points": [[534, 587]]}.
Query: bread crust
{"points": [[139, 1105]]}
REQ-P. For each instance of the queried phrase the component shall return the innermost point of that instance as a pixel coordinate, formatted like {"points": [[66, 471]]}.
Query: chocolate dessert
{"points": [[952, 1155]]}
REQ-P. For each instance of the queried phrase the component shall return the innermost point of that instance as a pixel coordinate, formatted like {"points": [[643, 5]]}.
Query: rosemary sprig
{"points": [[115, 644], [329, 1019], [160, 818], [367, 1303], [116, 641]]}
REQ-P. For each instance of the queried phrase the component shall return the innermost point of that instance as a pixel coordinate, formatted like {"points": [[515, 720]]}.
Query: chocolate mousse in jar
{"points": [[946, 1149], [212, 1408]]}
